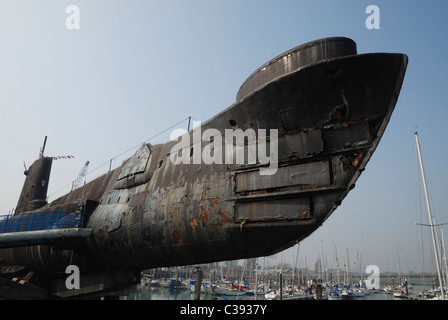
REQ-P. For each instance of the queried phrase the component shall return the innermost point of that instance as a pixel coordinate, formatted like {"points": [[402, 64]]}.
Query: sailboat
{"points": [[334, 295], [431, 222]]}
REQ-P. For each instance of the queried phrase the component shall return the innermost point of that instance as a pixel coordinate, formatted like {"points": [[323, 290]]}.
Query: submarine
{"points": [[255, 179]]}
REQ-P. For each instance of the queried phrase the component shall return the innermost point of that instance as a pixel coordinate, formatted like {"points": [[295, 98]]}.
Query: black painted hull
{"points": [[330, 112]]}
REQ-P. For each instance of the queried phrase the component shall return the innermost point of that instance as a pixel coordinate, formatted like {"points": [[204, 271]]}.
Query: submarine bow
{"points": [[324, 108]]}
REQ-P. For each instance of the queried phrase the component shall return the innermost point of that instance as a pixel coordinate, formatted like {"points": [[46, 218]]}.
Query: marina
{"points": [[178, 285], [145, 292]]}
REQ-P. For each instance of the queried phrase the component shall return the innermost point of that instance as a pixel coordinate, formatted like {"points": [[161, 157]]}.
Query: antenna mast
{"points": [[41, 153]]}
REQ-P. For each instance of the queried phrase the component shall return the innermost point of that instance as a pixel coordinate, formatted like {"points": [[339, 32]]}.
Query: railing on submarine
{"points": [[58, 219]]}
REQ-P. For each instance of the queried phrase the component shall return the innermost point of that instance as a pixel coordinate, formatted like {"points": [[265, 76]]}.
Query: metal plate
{"points": [[303, 174], [137, 163], [277, 210]]}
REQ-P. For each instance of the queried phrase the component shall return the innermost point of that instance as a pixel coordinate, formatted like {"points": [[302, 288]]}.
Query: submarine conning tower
{"points": [[35, 187]]}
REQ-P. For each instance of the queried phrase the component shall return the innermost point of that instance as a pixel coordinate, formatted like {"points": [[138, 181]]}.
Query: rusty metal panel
{"points": [[137, 163], [346, 137], [302, 174], [276, 210], [111, 216], [302, 144]]}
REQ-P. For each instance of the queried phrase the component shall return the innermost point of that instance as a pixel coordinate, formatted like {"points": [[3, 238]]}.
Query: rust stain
{"points": [[337, 115], [193, 223], [313, 186], [214, 201], [154, 223], [224, 218], [204, 217], [351, 162], [357, 159], [177, 238], [340, 113]]}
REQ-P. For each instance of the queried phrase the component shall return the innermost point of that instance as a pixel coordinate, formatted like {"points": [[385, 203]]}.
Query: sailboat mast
{"points": [[429, 215], [442, 248]]}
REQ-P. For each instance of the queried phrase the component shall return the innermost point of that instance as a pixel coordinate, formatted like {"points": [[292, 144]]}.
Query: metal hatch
{"points": [[137, 163]]}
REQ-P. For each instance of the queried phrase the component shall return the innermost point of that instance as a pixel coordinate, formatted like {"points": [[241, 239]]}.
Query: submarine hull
{"points": [[320, 108], [330, 118]]}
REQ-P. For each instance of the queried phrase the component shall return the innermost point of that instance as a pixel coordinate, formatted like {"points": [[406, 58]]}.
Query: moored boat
{"points": [[398, 293], [234, 292], [272, 295], [334, 295]]}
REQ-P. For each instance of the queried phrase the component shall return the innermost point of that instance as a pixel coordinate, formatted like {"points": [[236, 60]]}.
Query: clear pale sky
{"points": [[135, 68]]}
